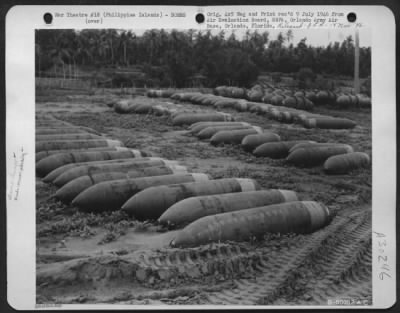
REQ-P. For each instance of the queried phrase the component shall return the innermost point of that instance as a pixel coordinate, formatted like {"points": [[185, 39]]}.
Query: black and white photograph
{"points": [[200, 157], [203, 167]]}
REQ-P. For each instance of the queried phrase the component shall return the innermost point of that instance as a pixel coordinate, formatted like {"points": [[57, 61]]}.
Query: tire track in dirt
{"points": [[341, 265], [338, 260]]}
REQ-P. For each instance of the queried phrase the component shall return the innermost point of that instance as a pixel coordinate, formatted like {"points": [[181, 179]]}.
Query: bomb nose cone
{"points": [[289, 195], [198, 177], [69, 191]]}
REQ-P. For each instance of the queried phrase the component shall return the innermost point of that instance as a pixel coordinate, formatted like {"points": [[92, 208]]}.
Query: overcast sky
{"points": [[315, 37], [322, 37]]}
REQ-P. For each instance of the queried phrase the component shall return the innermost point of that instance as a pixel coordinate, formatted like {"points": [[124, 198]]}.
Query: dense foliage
{"points": [[177, 58]]}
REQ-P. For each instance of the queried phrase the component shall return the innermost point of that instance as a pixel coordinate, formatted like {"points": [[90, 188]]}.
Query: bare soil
{"points": [[112, 258]]}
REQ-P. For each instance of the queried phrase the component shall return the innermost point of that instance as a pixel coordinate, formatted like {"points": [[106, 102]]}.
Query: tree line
{"points": [[174, 58]]}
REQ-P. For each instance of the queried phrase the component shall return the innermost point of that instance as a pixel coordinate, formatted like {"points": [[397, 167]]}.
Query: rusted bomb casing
{"points": [[65, 130], [197, 127], [73, 188], [314, 156], [329, 123], [276, 150], [67, 137], [291, 217], [45, 153], [191, 209], [344, 163], [250, 142], [233, 136], [187, 118], [111, 195], [208, 132], [154, 201], [60, 170], [51, 162], [76, 144], [79, 171]]}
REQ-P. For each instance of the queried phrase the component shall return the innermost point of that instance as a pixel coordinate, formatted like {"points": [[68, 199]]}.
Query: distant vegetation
{"points": [[160, 58]]}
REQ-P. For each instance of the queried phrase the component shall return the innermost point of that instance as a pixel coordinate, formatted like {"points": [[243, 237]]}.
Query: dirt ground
{"points": [[112, 258]]}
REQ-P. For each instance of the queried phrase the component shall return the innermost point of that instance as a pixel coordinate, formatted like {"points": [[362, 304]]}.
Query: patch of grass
{"points": [[80, 222]]}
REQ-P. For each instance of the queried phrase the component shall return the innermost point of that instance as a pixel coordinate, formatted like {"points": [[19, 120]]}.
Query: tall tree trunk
{"points": [[39, 65], [63, 67], [112, 53], [125, 53], [357, 64]]}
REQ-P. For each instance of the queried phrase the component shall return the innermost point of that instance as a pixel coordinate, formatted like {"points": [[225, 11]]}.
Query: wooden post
{"points": [[356, 65]]}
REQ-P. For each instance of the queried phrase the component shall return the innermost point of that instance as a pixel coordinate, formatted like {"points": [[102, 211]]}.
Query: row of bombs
{"points": [[156, 189], [336, 158], [53, 136], [279, 113], [234, 133], [303, 99], [278, 96]]}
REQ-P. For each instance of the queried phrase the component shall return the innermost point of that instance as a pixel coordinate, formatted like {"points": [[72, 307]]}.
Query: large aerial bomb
{"points": [[198, 127], [76, 144], [312, 145], [328, 123], [191, 209], [241, 105], [51, 177], [277, 150], [50, 163], [298, 102], [65, 130], [45, 153], [277, 99], [190, 118], [160, 110], [53, 123], [152, 202], [325, 97], [125, 106], [73, 188], [261, 108], [80, 136], [225, 103], [208, 132], [111, 195], [345, 101], [90, 169], [250, 142], [291, 217], [364, 101], [344, 163], [314, 156], [233, 136]]}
